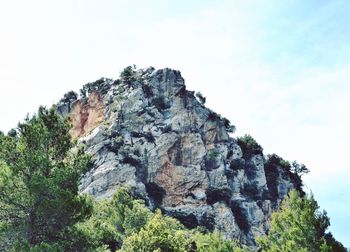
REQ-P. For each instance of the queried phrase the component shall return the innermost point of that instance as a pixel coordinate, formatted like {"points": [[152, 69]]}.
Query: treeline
{"points": [[41, 209]]}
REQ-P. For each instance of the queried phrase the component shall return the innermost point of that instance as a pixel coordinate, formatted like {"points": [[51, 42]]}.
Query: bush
{"points": [[128, 75], [229, 127], [201, 98], [213, 242], [69, 97], [112, 221], [12, 133], [299, 169], [212, 116], [159, 234], [249, 146], [293, 172], [101, 85]]}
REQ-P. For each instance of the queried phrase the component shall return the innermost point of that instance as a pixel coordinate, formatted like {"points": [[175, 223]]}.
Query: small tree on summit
{"points": [[299, 169], [249, 146], [127, 75]]}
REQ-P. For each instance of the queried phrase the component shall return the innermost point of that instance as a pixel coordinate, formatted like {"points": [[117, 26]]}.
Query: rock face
{"points": [[86, 115], [147, 132]]}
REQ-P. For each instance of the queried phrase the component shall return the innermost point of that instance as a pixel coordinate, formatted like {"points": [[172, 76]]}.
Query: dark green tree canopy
{"points": [[39, 176], [299, 226]]}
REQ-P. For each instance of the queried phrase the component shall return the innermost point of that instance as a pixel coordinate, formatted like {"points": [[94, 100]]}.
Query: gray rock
{"points": [[160, 141]]}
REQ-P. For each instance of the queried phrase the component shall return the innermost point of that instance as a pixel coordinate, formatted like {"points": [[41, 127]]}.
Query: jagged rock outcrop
{"points": [[147, 132]]}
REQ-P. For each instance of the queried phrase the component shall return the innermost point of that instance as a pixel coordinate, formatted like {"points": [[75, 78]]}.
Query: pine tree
{"points": [[298, 226], [39, 176]]}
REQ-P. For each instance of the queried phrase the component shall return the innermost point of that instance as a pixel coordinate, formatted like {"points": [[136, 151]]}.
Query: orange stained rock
{"points": [[86, 116]]}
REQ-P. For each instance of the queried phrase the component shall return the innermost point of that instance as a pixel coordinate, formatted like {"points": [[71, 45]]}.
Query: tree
{"points": [[335, 245], [69, 97], [160, 234], [213, 242], [299, 169], [39, 176], [112, 221], [128, 74], [298, 226]]}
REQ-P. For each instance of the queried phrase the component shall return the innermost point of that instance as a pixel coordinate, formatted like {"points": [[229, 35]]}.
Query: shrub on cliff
{"points": [[249, 146], [69, 97], [128, 75], [101, 86], [292, 171]]}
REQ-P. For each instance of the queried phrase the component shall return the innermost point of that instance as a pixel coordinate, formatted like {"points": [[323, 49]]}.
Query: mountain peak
{"points": [[147, 132]]}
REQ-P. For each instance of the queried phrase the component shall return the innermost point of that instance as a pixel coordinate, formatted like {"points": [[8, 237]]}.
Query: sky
{"points": [[278, 70]]}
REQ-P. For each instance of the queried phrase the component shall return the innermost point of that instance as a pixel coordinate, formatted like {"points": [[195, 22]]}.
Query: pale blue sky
{"points": [[279, 70]]}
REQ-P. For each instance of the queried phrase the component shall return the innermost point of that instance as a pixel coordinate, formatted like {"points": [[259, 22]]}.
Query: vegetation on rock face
{"points": [[298, 226], [293, 171], [101, 85], [69, 97], [159, 234], [128, 74], [249, 146], [213, 242], [212, 116]]}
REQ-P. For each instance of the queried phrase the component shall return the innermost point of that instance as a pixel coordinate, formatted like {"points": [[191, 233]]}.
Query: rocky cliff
{"points": [[147, 132]]}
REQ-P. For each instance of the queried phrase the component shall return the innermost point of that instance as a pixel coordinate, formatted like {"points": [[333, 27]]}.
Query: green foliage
{"points": [[213, 242], [276, 166], [212, 116], [113, 220], [163, 234], [69, 97], [299, 169], [249, 146], [213, 153], [101, 85], [128, 74], [229, 127], [12, 133], [276, 160], [298, 226], [39, 177]]}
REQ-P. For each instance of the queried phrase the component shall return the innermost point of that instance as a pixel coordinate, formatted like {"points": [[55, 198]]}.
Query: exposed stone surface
{"points": [[86, 115], [149, 133]]}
